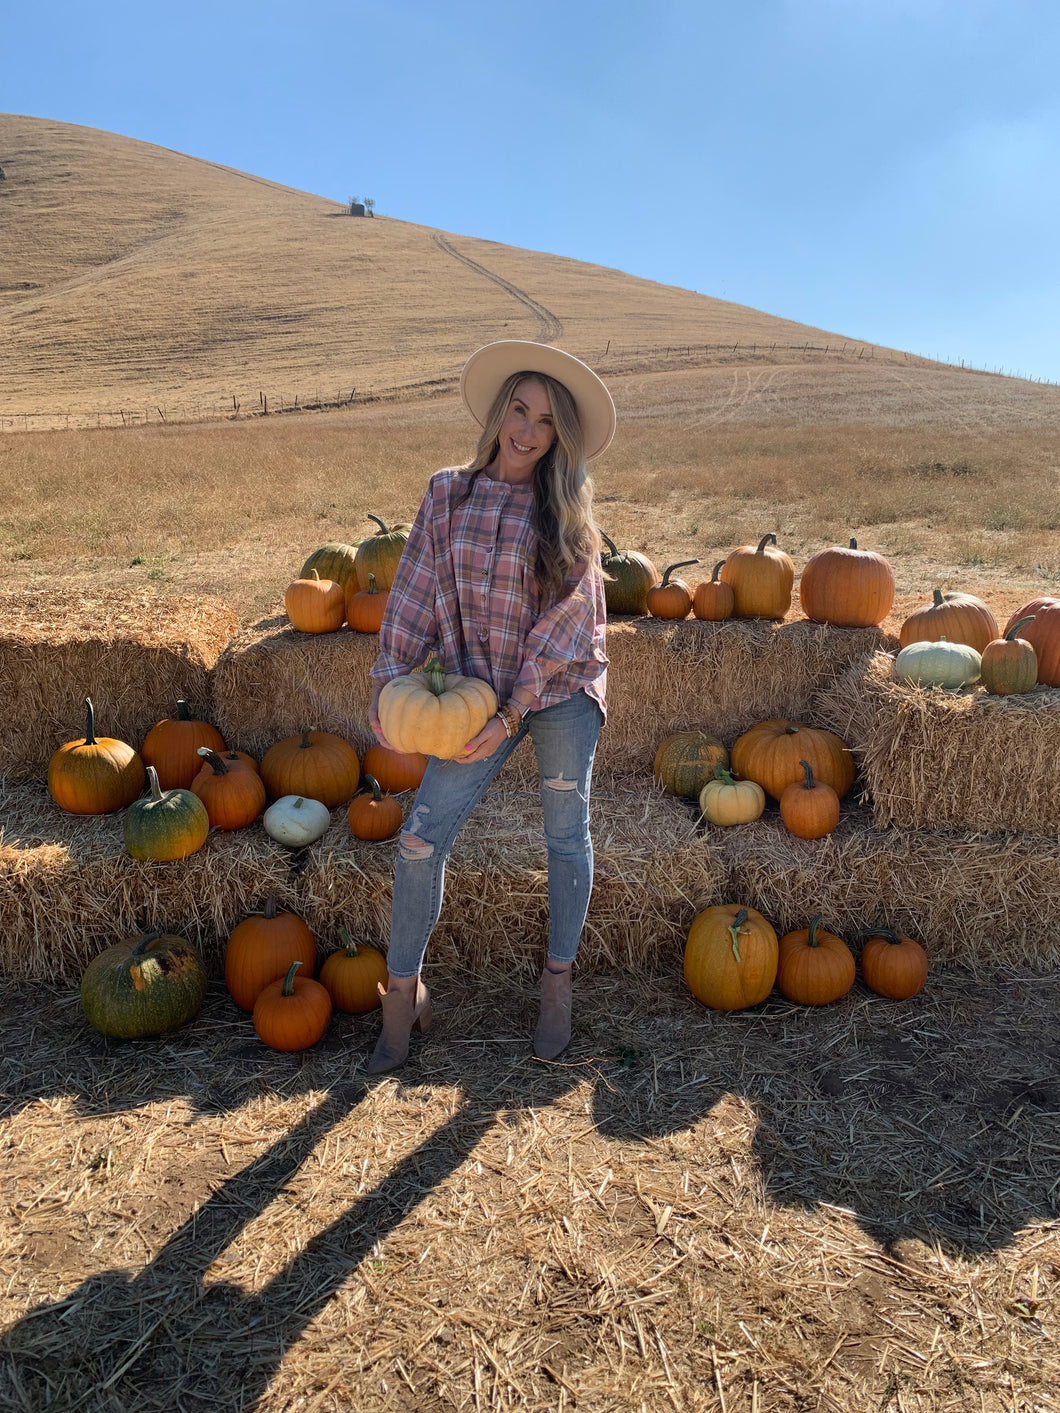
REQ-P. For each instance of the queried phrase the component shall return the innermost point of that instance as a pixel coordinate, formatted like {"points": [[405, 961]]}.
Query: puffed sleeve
{"points": [[571, 630], [410, 627]]}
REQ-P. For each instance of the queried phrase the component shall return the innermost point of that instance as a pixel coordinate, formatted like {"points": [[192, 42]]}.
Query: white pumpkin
{"points": [[938, 664], [295, 821]]}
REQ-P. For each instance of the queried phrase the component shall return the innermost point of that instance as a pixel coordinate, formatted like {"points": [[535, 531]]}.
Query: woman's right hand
{"points": [[373, 717]]}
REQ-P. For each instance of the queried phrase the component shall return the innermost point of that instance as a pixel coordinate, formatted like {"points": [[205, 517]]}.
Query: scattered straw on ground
{"points": [[943, 759], [135, 654]]}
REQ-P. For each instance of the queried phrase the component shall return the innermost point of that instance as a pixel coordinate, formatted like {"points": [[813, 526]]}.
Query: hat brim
{"points": [[485, 372]]}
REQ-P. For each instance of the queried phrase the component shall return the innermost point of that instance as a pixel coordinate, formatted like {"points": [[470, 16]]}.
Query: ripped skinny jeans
{"points": [[564, 738]]}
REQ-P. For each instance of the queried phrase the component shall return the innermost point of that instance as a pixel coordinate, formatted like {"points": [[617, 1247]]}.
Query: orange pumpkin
{"points": [[892, 965], [374, 816], [317, 765], [395, 770], [1043, 636], [730, 957], [172, 747], [773, 751], [365, 607], [957, 617], [260, 950], [233, 793], [315, 605], [671, 598], [809, 808], [353, 976], [292, 1014], [851, 588], [713, 599], [96, 775], [814, 967], [761, 579]]}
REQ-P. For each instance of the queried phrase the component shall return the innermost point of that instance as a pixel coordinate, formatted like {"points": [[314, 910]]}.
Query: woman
{"points": [[501, 577]]}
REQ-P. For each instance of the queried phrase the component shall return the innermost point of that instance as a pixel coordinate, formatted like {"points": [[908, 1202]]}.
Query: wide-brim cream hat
{"points": [[485, 372]]}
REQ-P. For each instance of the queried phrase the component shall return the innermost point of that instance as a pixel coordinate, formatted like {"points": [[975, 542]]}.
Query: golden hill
{"points": [[134, 275]]}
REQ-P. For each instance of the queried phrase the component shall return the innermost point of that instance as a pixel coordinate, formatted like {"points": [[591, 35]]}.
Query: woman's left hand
{"points": [[482, 746]]}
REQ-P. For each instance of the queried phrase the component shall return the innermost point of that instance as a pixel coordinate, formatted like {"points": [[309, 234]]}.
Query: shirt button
{"points": [[484, 634], [486, 573]]}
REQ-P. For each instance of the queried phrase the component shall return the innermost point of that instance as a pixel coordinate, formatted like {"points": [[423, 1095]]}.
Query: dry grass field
{"points": [[778, 1211]]}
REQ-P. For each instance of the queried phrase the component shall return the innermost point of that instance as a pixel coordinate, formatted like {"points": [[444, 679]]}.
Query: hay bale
{"points": [[134, 653], [934, 759], [969, 899]]}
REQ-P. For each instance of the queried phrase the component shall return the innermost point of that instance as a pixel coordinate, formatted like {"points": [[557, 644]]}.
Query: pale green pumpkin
{"points": [[938, 664]]}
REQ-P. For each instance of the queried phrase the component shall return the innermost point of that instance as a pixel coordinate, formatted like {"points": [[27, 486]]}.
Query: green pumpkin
{"points": [[938, 664], [166, 824], [686, 761], [629, 576], [143, 986], [380, 554], [332, 561]]}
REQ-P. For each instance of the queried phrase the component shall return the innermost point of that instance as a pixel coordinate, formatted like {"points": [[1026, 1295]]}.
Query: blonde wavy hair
{"points": [[563, 489]]}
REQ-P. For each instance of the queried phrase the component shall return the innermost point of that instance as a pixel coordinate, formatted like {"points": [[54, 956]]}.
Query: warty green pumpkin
{"points": [[145, 985]]}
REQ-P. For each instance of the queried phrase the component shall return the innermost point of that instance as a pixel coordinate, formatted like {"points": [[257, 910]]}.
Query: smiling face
{"points": [[527, 432]]}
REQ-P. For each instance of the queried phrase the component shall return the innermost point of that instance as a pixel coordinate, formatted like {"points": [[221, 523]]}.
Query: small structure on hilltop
{"points": [[361, 206]]}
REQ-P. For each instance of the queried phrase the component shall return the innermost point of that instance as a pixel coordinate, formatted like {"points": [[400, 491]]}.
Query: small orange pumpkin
{"points": [[761, 578], [315, 605], [292, 1014], [374, 816], [365, 607], [96, 775], [713, 599], [353, 976], [892, 965], [172, 747], [809, 808], [814, 967], [396, 771], [233, 793], [260, 950], [671, 598]]}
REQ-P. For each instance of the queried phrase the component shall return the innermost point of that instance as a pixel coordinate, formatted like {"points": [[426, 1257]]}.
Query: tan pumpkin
{"points": [[726, 801], [730, 957], [850, 588], [761, 579], [435, 712], [317, 765], [773, 751], [957, 617], [380, 554], [685, 761], [671, 598], [713, 600], [315, 605]]}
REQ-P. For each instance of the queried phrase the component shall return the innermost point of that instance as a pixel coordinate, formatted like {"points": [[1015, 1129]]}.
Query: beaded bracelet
{"points": [[510, 720]]}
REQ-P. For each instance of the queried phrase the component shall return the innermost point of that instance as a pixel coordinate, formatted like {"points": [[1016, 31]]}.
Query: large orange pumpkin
{"points": [[851, 588], [1043, 635], [957, 617], [395, 770], [233, 792], [814, 967], [730, 957], [317, 765], [773, 751], [761, 579], [96, 775], [262, 947], [172, 747]]}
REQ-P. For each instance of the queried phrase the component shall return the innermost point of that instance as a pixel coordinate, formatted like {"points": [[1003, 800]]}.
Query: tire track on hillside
{"points": [[551, 327]]}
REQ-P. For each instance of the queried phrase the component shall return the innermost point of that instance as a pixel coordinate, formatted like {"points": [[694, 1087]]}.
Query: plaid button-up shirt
{"points": [[466, 589]]}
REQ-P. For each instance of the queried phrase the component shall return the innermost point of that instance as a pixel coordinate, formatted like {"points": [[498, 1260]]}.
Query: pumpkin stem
{"points": [[270, 907], [348, 943], [734, 932], [936, 594], [888, 933], [316, 576], [219, 767], [372, 783], [183, 714], [765, 540], [306, 742], [812, 941], [720, 773], [384, 529], [143, 944], [612, 548], [372, 588], [435, 674], [717, 570], [684, 563], [1011, 634], [790, 730], [90, 726], [288, 981], [808, 781], [153, 785]]}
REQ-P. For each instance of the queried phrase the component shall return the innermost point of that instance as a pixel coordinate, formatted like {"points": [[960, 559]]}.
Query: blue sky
{"points": [[885, 169]]}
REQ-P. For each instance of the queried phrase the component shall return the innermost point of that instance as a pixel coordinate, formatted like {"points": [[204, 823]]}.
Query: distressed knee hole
{"points": [[413, 849], [558, 783]]}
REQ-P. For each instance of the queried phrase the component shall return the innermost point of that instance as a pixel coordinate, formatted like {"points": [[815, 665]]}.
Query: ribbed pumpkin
{"points": [[686, 760], [892, 965], [96, 775], [292, 1014], [353, 975], [365, 607], [850, 588], [172, 747], [957, 617], [372, 815], [937, 664], [628, 577], [814, 967], [809, 808], [315, 605], [165, 824], [317, 764], [761, 578], [261, 948], [730, 957], [773, 751], [726, 801], [332, 561], [233, 793], [671, 598], [713, 599], [435, 712], [395, 770], [146, 985], [380, 554], [1044, 636]]}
